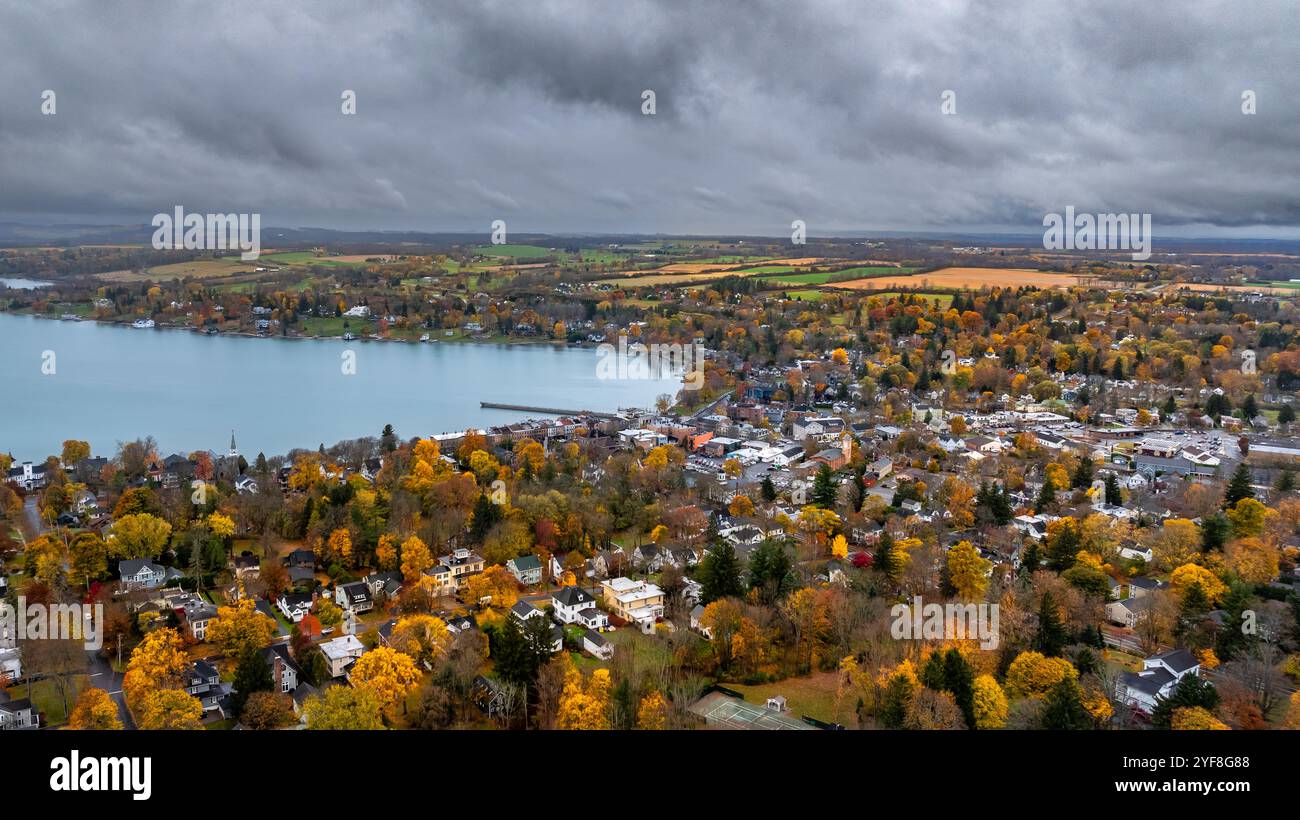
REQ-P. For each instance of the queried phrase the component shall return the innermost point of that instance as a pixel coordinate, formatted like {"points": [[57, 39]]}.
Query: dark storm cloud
{"points": [[766, 112]]}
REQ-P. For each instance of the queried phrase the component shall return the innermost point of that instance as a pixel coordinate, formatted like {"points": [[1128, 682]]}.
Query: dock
{"points": [[546, 411]]}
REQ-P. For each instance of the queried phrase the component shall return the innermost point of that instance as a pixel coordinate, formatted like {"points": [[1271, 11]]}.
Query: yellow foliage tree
{"points": [[967, 571], [840, 546], [652, 712], [1196, 717], [584, 705], [416, 558], [157, 662], [990, 703], [343, 707], [389, 674], [240, 628], [1032, 674], [340, 546], [94, 710], [496, 583], [1183, 578], [386, 552], [170, 709]]}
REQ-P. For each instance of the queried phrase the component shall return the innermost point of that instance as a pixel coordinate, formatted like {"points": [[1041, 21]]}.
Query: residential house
{"points": [[461, 564], [574, 605], [18, 714], [197, 613], [1129, 611], [203, 681], [638, 602], [597, 644], [295, 605], [285, 673], [355, 597], [527, 569], [141, 573], [341, 653], [1159, 675]]}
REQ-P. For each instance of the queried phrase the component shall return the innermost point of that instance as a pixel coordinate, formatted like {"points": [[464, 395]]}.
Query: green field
{"points": [[333, 326], [308, 258], [836, 276], [514, 251], [1278, 284], [804, 295]]}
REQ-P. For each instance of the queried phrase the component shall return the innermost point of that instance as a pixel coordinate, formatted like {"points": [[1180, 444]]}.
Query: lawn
{"points": [[813, 695], [44, 695], [334, 326]]}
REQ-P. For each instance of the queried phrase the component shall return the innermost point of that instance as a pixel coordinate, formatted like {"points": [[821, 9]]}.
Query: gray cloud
{"points": [[826, 111]]}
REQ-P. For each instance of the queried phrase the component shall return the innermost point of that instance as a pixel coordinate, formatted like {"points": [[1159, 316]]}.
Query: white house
{"points": [[574, 605], [1159, 675], [294, 605], [597, 644], [341, 653]]}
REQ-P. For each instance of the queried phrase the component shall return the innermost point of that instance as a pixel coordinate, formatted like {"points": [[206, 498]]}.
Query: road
{"points": [[103, 677]]}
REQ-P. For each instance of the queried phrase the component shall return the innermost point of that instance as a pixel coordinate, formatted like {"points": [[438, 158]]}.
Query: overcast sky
{"points": [[767, 111]]}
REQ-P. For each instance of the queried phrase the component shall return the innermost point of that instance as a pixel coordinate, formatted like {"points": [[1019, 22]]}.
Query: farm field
{"points": [[197, 268], [961, 278], [309, 258], [682, 272], [824, 278], [1279, 288]]}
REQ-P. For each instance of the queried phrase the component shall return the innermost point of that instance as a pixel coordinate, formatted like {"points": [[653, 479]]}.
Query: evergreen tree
{"points": [[388, 439], [719, 573], [823, 494], [1286, 415], [1064, 708], [1063, 548], [1231, 640], [251, 675], [1249, 408], [1191, 613], [1238, 487], [1114, 497], [885, 558], [712, 533], [768, 489], [1050, 637], [1170, 406], [1031, 559], [771, 571], [486, 516], [1046, 496], [1082, 474], [1285, 482], [1191, 690], [1214, 532]]}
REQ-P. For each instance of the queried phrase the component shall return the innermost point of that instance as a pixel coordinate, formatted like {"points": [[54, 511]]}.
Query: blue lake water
{"points": [[188, 390]]}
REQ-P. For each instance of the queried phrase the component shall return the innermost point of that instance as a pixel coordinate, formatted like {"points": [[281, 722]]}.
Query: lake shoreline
{"points": [[189, 394], [492, 341]]}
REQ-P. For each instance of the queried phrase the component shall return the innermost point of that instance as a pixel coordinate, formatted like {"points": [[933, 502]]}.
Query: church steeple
{"points": [[234, 453]]}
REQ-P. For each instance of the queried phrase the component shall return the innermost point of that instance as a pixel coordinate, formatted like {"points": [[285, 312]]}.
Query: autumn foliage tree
{"points": [[94, 710]]}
